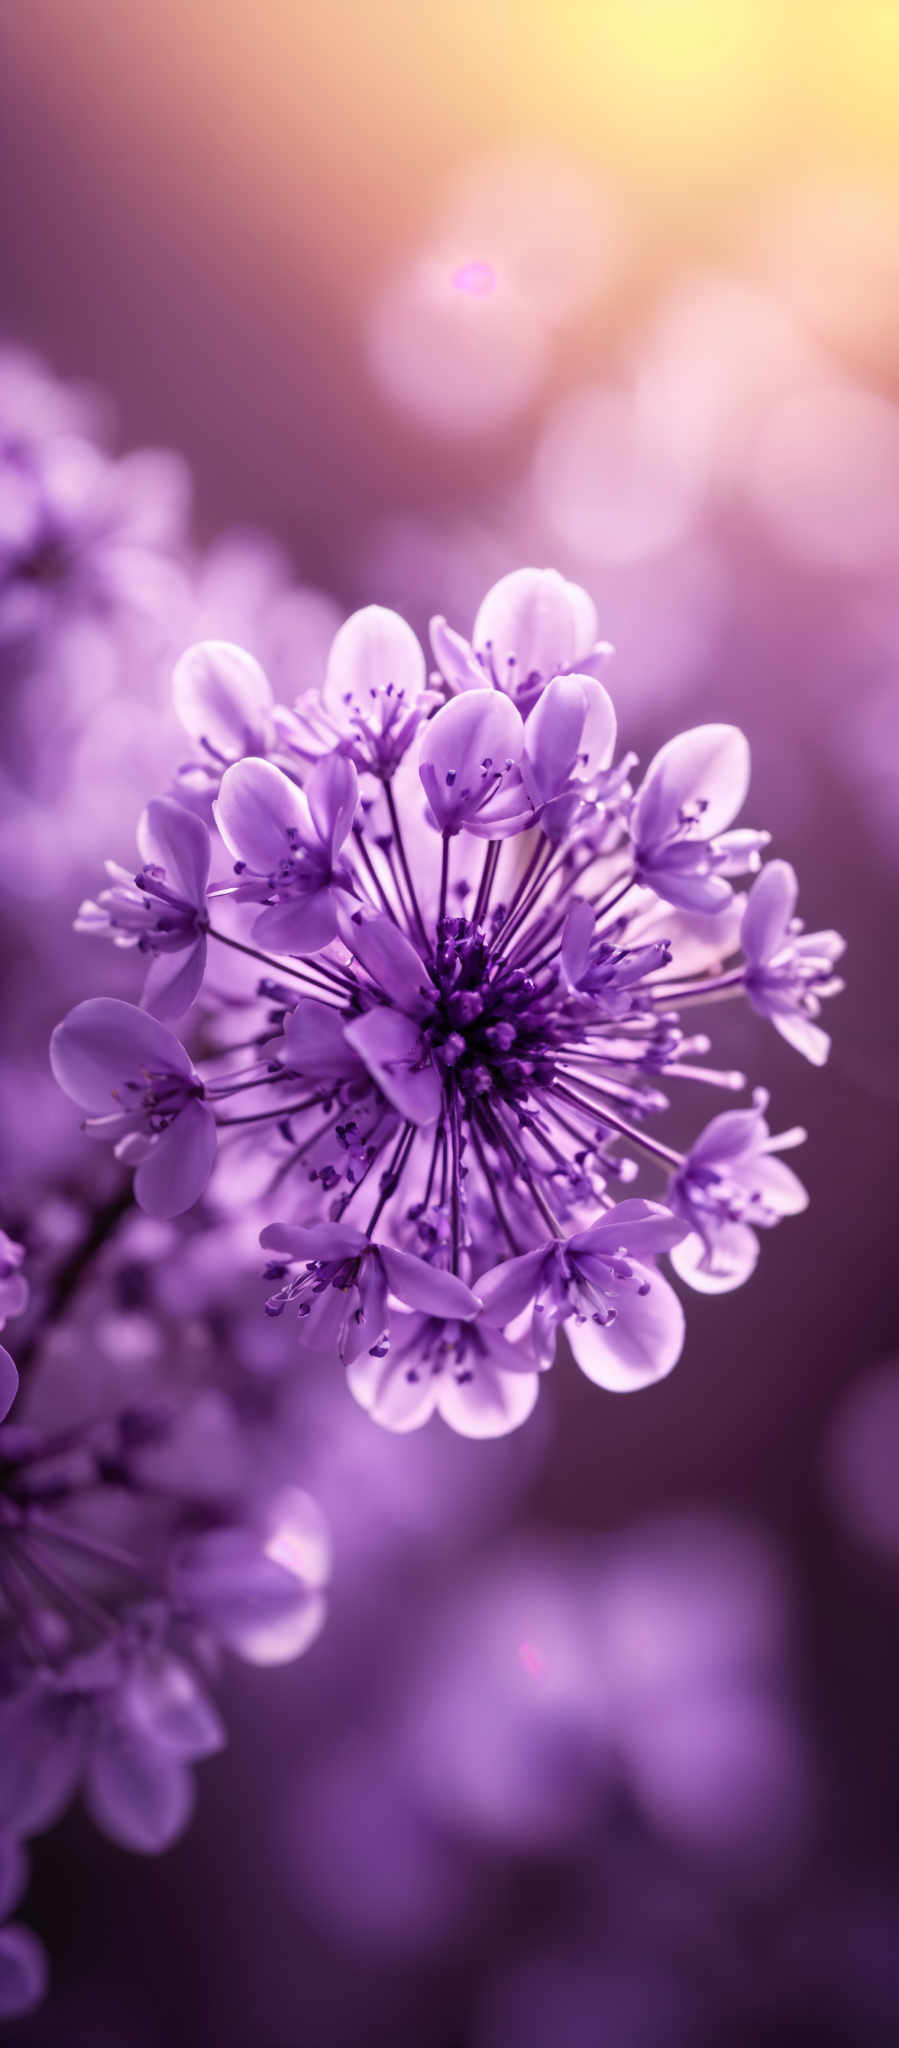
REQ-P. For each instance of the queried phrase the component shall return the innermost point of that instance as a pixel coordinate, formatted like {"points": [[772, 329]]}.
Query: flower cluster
{"points": [[475, 943], [138, 1540]]}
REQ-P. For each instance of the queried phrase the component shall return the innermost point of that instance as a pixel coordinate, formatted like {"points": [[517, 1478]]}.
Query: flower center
{"points": [[490, 1023]]}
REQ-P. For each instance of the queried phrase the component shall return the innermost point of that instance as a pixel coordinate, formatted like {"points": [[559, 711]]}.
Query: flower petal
{"points": [[222, 695], [24, 1975], [177, 840], [374, 650], [425, 1287], [391, 1046], [103, 1043], [552, 737], [645, 1228], [175, 1171], [302, 925], [484, 1401], [257, 810], [136, 1790], [332, 793], [510, 1287], [174, 980], [727, 1261], [707, 766], [315, 1043], [167, 1703], [391, 960], [640, 1346], [454, 657], [770, 906], [466, 745], [9, 1383], [392, 1390], [802, 1035], [537, 622], [313, 1241]]}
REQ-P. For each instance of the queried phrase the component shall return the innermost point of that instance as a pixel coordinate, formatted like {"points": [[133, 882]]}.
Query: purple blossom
{"points": [[690, 793], [342, 1295], [532, 626], [9, 1383], [287, 844], [609, 974], [470, 766], [789, 972], [144, 1096], [23, 1971], [729, 1186], [489, 956], [90, 539], [624, 1323], [162, 909], [13, 1284], [226, 705], [122, 1575], [467, 1372], [375, 686]]}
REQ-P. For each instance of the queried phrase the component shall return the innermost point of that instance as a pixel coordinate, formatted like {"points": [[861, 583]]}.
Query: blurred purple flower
{"points": [[13, 1284]]}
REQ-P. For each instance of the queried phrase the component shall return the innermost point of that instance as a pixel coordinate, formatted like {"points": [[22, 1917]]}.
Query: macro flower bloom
{"points": [[474, 957], [789, 972], [145, 1098]]}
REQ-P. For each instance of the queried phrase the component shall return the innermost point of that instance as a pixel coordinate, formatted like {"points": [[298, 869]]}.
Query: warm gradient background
{"points": [[204, 205]]}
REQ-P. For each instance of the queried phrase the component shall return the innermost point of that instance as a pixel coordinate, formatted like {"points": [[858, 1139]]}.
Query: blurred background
{"points": [[599, 1744]]}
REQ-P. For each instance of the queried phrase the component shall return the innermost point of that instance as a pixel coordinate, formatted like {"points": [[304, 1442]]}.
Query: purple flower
{"points": [[469, 766], [789, 972], [569, 743], [607, 973], [343, 1292], [226, 704], [110, 1617], [728, 1187], [287, 843], [9, 1383], [13, 1284], [90, 539], [624, 1323], [690, 793], [466, 1372], [532, 625], [162, 909], [144, 1096], [492, 960], [375, 686], [23, 1971]]}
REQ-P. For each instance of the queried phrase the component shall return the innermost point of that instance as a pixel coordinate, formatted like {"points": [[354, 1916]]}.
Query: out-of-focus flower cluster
{"points": [[143, 1531]]}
